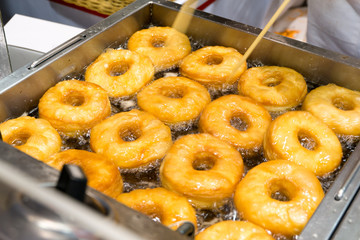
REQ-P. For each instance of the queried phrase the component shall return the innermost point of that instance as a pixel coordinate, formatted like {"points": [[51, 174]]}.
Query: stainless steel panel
{"points": [[21, 174], [21, 90], [348, 227], [5, 67]]}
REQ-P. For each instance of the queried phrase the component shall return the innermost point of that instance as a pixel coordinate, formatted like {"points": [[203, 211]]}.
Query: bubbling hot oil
{"points": [[148, 176]]}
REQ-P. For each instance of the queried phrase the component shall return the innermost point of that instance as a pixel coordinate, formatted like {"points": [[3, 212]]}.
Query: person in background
{"points": [[251, 12], [335, 25]]}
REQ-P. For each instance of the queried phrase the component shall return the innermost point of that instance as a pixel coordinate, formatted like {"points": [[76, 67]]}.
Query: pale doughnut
{"points": [[217, 117], [202, 168], [131, 139], [255, 201], [35, 137], [174, 100], [169, 208], [338, 107], [101, 173], [284, 137], [216, 67], [165, 46], [234, 230], [73, 106], [120, 72], [276, 88]]}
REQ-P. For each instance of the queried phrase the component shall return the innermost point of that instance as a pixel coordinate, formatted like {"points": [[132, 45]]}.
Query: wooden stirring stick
{"points": [[261, 35], [183, 18]]}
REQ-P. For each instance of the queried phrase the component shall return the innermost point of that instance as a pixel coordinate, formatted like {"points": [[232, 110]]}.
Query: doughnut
{"points": [[73, 106], [300, 137], [35, 137], [234, 230], [102, 174], [276, 88], [237, 120], [214, 67], [174, 100], [165, 46], [202, 168], [279, 196], [131, 139], [161, 205], [120, 72], [338, 107]]}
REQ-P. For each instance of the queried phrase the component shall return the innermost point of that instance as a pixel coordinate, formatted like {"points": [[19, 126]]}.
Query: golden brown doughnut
{"points": [[234, 230], [254, 119], [120, 72], [102, 174], [276, 88], [255, 196], [160, 204], [35, 137], [73, 106], [287, 133], [214, 67], [202, 168], [174, 100], [131, 139], [165, 46], [338, 107]]}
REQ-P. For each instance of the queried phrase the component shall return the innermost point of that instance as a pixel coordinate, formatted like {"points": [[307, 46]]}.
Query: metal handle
{"points": [[339, 195], [57, 50], [72, 181], [187, 229]]}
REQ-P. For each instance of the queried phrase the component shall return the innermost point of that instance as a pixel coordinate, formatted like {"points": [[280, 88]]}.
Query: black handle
{"points": [[187, 229], [72, 181]]}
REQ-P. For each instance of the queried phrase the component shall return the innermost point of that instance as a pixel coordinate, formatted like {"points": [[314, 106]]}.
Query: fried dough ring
{"points": [[216, 67], [35, 137], [218, 116], [73, 106], [276, 88], [120, 72], [174, 100], [202, 168], [234, 230], [131, 139], [254, 196], [102, 174], [285, 135], [338, 107], [158, 203], [165, 46]]}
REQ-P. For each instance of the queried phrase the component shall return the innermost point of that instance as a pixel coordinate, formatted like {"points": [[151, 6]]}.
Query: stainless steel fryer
{"points": [[21, 90]]}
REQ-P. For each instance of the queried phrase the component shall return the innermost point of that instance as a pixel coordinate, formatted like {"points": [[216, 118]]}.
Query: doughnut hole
{"points": [[239, 122], [343, 104], [73, 98], [213, 59], [307, 140], [158, 41], [172, 92], [130, 134], [19, 138], [118, 68], [272, 81], [204, 161], [282, 190]]}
